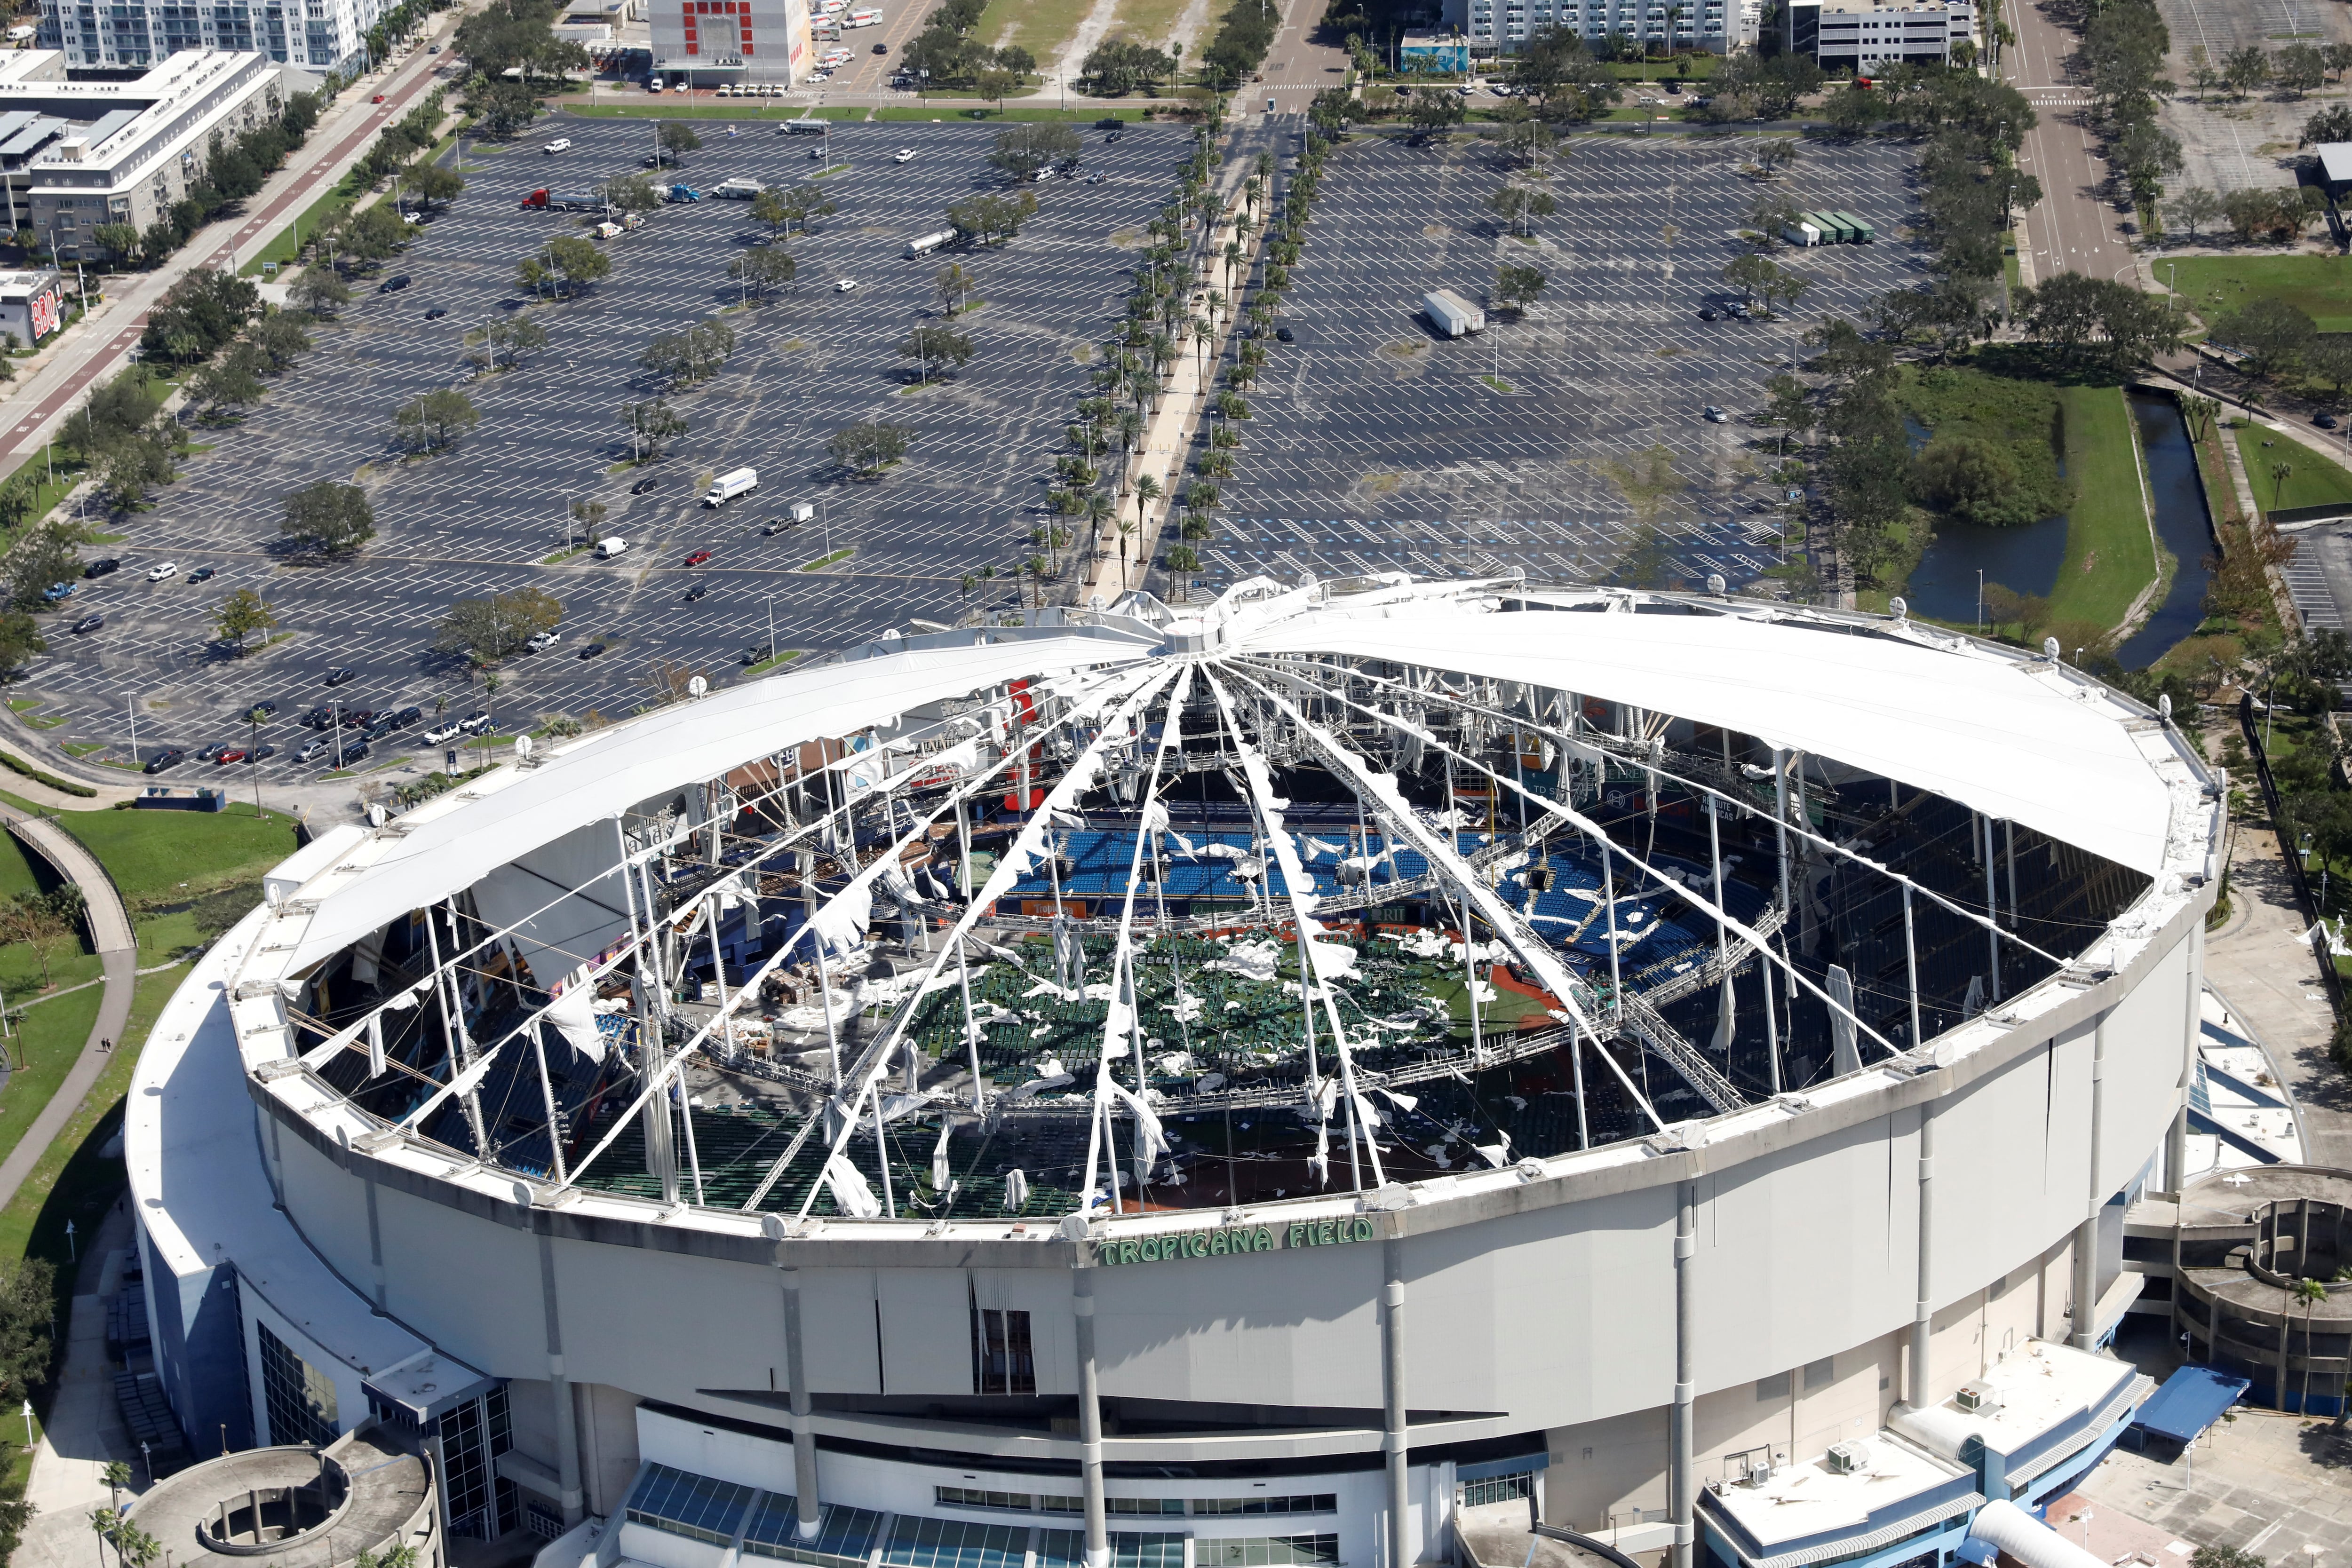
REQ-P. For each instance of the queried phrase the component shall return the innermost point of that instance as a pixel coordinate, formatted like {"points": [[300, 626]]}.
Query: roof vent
{"points": [[1977, 1397], [1849, 1458]]}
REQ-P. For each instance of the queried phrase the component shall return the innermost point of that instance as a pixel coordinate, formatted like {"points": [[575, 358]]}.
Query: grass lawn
{"points": [[170, 854], [2315, 482], [2319, 286], [2110, 555], [1040, 26], [49, 1037], [1145, 21]]}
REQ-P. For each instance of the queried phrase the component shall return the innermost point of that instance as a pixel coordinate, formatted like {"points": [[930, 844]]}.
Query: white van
{"points": [[863, 18], [607, 549], [727, 486]]}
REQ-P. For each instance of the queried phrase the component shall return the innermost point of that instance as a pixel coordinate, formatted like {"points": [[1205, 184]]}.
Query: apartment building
{"points": [[77, 154], [1855, 36], [323, 35]]}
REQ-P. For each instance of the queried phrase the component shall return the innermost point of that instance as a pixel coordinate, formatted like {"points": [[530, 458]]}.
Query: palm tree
{"points": [[1099, 508], [1146, 490], [2281, 472], [1126, 532], [2310, 1292]]}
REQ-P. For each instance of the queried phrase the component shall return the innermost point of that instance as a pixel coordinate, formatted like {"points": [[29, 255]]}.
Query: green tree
{"points": [[231, 380], [676, 137], [328, 517], [431, 421], [282, 338], [237, 617], [1024, 151], [650, 424], [1515, 288], [2193, 208], [578, 260], [121, 240], [937, 348], [489, 631], [867, 448], [42, 920], [320, 292], [1434, 109], [763, 268], [953, 285], [20, 639], [433, 184], [631, 193], [2271, 333]]}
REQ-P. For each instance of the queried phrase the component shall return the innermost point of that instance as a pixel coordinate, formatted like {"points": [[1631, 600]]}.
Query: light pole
{"points": [[770, 600]]}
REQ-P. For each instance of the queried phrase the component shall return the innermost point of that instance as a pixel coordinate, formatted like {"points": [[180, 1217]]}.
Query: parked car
{"points": [[904, 155], [266, 710], [308, 749], [393, 283], [212, 753], [407, 716], [560, 144], [353, 750], [2324, 421], [58, 592], [698, 558], [476, 722], [1285, 335], [697, 591], [339, 674], [1709, 313], [204, 574], [544, 640], [434, 314], [233, 754], [167, 758], [262, 752], [592, 650], [441, 735], [644, 485], [317, 718], [845, 286], [1714, 416], [168, 569], [104, 566], [88, 623]]}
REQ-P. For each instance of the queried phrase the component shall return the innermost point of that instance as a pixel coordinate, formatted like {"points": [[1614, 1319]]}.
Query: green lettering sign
{"points": [[1227, 1240]]}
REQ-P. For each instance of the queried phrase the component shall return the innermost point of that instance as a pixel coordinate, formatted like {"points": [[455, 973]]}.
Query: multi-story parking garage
{"points": [[887, 1113]]}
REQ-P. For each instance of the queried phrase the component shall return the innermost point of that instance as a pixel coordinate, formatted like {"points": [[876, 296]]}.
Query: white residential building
{"points": [[1503, 27], [77, 154], [1857, 36], [324, 34]]}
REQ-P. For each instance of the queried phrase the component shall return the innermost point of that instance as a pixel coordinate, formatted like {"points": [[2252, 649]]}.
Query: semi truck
{"points": [[805, 126], [562, 202], [1451, 314], [727, 486], [681, 193], [1862, 233], [923, 245], [738, 189]]}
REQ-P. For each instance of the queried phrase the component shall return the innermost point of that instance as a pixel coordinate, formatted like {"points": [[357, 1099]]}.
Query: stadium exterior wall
{"points": [[1547, 1310]]}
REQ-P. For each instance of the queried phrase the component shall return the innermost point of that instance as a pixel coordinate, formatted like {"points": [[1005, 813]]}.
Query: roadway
{"points": [[104, 339], [2072, 229]]}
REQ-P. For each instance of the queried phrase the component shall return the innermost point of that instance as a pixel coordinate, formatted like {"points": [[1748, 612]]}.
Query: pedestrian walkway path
{"points": [[118, 952]]}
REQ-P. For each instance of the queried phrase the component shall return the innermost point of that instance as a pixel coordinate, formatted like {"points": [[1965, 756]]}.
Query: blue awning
{"points": [[2190, 1400]]}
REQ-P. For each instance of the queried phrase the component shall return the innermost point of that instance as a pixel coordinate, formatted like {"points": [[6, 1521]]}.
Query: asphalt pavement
{"points": [[2075, 228], [480, 518], [1375, 444]]}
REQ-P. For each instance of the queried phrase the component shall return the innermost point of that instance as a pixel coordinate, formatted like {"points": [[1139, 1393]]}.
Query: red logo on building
{"points": [[43, 309]]}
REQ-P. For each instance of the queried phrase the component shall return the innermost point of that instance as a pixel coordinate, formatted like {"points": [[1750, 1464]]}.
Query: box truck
{"points": [[923, 245], [727, 486], [606, 549], [738, 189], [1451, 314]]}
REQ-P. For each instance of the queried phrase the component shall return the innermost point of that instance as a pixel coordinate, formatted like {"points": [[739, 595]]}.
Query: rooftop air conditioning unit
{"points": [[1977, 1397], [1849, 1458]]}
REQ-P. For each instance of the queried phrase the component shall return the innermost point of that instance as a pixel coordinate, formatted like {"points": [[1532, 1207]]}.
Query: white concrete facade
{"points": [[1785, 1262], [1849, 34], [322, 34], [1503, 27], [715, 41]]}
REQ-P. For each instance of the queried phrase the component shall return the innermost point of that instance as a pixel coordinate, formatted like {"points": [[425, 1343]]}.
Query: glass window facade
{"points": [[1498, 1489], [695, 1507], [297, 1398], [844, 1536], [1266, 1552], [482, 1503], [1002, 1360], [956, 1543]]}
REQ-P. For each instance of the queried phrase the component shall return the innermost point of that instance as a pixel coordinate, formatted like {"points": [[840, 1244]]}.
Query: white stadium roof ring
{"points": [[1004, 922]]}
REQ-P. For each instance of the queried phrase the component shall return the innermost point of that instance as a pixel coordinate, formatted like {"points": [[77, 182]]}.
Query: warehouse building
{"points": [[1243, 1085]]}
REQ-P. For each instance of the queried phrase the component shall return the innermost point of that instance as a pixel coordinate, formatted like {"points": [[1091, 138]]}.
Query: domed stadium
{"points": [[1290, 1081]]}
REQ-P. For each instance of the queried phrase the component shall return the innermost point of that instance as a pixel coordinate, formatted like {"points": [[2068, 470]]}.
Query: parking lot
{"points": [[1376, 446], [480, 518]]}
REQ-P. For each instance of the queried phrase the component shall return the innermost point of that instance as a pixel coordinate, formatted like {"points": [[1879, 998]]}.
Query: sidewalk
{"points": [[1173, 428], [85, 1430], [105, 336], [2266, 974]]}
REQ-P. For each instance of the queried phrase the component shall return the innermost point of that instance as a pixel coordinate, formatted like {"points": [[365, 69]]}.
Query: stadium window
{"points": [[1513, 1488], [975, 1497], [1820, 1373], [1002, 1360], [1773, 1387], [298, 1400]]}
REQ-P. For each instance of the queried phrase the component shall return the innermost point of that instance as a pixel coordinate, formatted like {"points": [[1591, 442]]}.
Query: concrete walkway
{"points": [[84, 1431], [118, 952], [2266, 974]]}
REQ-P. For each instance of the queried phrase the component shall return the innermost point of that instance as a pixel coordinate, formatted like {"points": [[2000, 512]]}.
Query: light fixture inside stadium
{"points": [[1032, 946]]}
